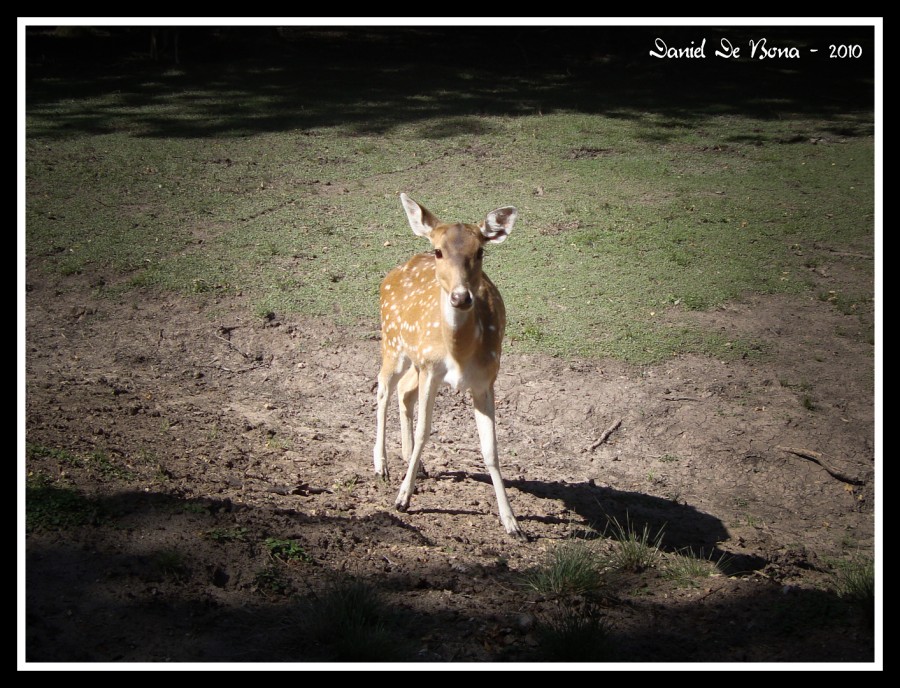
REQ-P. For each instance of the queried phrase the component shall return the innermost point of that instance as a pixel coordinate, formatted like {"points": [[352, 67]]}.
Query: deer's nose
{"points": [[461, 298]]}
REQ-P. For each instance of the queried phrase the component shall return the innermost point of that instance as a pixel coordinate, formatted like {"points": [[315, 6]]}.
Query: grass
{"points": [[631, 213], [575, 635], [51, 506], [236, 534], [687, 568], [636, 550], [854, 581], [98, 462], [348, 485], [171, 564], [571, 567], [350, 622]]}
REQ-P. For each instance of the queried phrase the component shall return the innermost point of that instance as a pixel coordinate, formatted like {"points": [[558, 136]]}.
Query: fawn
{"points": [[442, 321]]}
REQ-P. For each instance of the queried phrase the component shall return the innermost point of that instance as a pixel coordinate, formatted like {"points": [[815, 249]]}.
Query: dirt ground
{"points": [[196, 431]]}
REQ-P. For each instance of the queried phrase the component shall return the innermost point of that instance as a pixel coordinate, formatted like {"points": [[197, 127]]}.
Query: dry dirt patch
{"points": [[198, 433]]}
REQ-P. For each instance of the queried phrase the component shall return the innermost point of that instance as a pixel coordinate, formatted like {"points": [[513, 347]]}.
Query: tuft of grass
{"points": [[351, 622], [637, 549], [171, 563], [575, 635], [686, 568], [571, 567], [854, 581]]}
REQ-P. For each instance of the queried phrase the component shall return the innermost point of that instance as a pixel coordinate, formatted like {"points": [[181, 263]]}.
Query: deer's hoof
{"points": [[515, 532]]}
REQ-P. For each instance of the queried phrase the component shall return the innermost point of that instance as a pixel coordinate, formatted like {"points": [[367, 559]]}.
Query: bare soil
{"points": [[194, 431]]}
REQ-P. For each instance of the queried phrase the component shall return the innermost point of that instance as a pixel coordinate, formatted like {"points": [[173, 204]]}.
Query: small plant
{"points": [[286, 551], [351, 622], [227, 534], [752, 521], [63, 456], [271, 581], [686, 568], [570, 568], [807, 402], [854, 581], [100, 462], [637, 550], [146, 457], [273, 441], [161, 474], [171, 563], [348, 485], [575, 635], [49, 506]]}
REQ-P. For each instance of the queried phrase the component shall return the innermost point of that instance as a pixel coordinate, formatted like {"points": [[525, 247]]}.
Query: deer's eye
{"points": [[438, 253]]}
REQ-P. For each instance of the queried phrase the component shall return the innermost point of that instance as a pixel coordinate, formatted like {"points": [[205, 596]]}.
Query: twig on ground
{"points": [[233, 346], [229, 370], [606, 433], [818, 458]]}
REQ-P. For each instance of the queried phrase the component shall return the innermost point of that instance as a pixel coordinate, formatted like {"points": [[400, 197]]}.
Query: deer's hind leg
{"points": [[391, 371]]}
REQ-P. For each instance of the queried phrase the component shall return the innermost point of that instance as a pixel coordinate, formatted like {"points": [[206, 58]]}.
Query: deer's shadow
{"points": [[606, 511]]}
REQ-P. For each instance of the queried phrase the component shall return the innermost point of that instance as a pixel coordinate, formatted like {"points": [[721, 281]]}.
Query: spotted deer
{"points": [[442, 321]]}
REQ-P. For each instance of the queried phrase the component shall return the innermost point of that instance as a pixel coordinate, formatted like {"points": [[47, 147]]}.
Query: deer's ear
{"points": [[420, 218], [499, 223]]}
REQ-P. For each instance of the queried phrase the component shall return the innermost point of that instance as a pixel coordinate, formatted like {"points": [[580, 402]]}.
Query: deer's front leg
{"points": [[428, 387], [484, 419]]}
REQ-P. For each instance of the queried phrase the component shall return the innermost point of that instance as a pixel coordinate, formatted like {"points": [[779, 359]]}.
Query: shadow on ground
{"points": [[243, 80], [157, 606]]}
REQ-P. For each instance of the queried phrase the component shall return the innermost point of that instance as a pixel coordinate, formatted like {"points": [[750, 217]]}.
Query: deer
{"points": [[442, 321]]}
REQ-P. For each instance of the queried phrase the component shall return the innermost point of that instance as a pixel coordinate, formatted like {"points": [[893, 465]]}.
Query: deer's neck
{"points": [[461, 328]]}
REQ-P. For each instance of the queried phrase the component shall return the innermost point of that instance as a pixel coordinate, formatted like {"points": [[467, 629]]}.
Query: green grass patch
{"points": [[63, 456], [630, 214], [49, 506], [97, 462], [236, 534], [570, 567]]}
